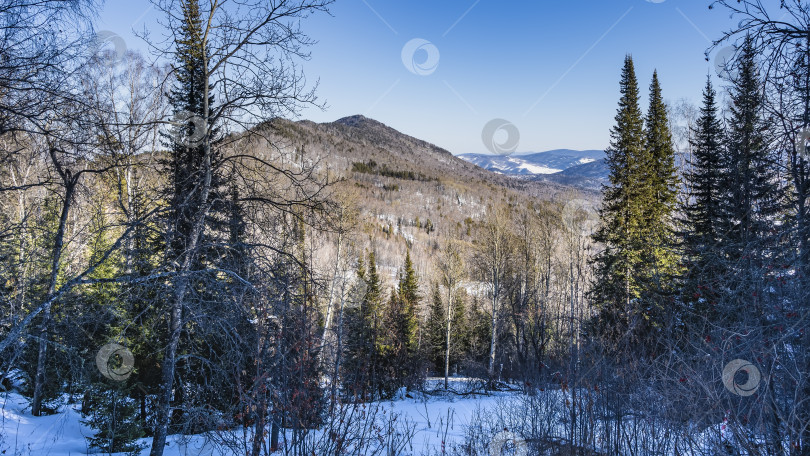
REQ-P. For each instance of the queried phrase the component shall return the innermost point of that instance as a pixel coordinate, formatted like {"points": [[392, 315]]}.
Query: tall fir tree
{"points": [[361, 363], [393, 330], [634, 272], [660, 260], [702, 212], [617, 285], [392, 352], [751, 203], [197, 188], [435, 332], [399, 347], [478, 336], [407, 326]]}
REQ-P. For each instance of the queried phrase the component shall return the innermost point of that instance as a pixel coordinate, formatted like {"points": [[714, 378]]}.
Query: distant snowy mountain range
{"points": [[549, 162], [582, 168]]}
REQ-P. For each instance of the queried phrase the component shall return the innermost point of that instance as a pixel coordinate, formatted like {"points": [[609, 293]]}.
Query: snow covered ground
{"points": [[435, 420], [23, 434]]}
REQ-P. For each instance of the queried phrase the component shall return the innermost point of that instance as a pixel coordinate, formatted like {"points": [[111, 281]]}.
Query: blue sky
{"points": [[551, 68]]}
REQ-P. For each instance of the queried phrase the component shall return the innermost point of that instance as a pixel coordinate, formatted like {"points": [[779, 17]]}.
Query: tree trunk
{"points": [[338, 352], [142, 403], [327, 327], [261, 396], [167, 372], [493, 341], [39, 379], [447, 336], [274, 431]]}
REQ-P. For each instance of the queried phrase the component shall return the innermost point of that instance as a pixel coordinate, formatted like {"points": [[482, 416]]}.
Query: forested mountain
{"points": [[348, 142], [411, 194]]}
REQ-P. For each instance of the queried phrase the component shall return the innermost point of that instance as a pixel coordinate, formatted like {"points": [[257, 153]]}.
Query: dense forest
{"points": [[180, 259]]}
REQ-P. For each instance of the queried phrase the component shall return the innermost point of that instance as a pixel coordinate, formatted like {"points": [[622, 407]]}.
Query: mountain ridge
{"points": [[402, 153], [358, 139], [409, 194]]}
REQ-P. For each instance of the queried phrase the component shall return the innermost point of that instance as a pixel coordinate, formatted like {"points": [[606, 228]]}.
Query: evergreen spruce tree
{"points": [[617, 283], [392, 350], [111, 411], [361, 350], [197, 186], [459, 332], [397, 342], [634, 273], [436, 332], [750, 203], [702, 210], [435, 329], [141, 256], [478, 337], [660, 260], [407, 325], [662, 179]]}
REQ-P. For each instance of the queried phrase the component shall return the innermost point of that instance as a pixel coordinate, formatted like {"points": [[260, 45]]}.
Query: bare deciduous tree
{"points": [[450, 266], [492, 264]]}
